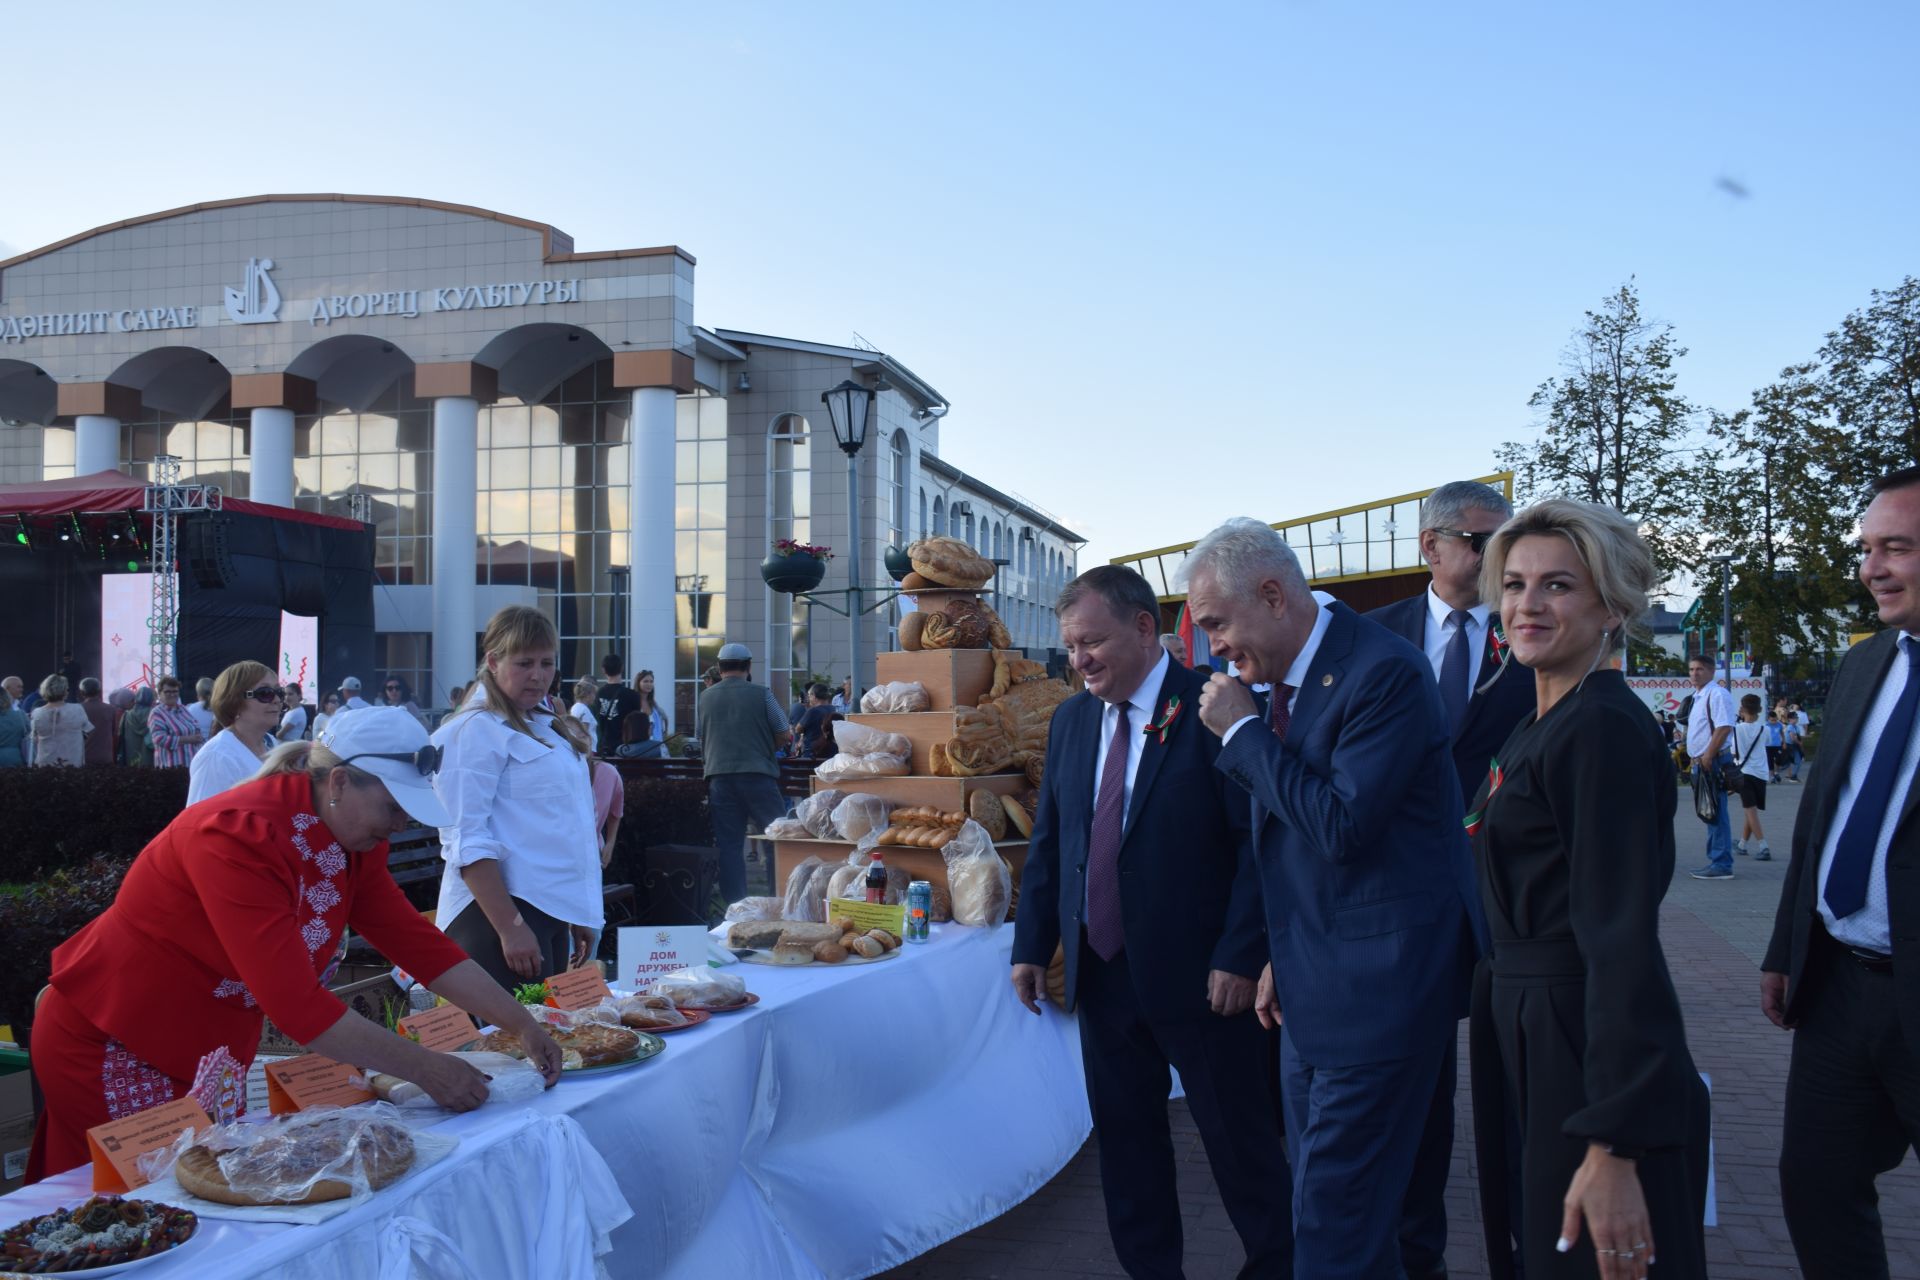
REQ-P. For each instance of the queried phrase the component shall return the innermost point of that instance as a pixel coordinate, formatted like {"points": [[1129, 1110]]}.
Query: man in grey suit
{"points": [[1843, 971]]}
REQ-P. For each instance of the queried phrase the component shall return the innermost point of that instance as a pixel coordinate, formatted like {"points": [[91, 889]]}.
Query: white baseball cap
{"points": [[351, 682], [389, 743]]}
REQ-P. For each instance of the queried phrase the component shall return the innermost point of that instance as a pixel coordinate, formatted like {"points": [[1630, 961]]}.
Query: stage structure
{"points": [[165, 500]]}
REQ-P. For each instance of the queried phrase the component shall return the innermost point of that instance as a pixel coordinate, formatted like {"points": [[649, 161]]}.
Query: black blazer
{"points": [[1492, 715], [1855, 686], [1189, 893]]}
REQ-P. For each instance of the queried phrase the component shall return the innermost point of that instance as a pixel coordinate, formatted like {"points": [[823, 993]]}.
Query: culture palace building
{"points": [[520, 420]]}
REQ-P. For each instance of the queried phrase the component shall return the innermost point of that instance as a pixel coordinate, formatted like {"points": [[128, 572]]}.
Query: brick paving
{"points": [[1714, 934]]}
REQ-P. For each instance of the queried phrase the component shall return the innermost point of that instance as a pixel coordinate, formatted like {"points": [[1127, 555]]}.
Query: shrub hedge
{"points": [[66, 817], [39, 918]]}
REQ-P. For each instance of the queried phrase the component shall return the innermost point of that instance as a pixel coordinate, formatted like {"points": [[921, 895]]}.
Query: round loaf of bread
{"points": [[376, 1150], [950, 562]]}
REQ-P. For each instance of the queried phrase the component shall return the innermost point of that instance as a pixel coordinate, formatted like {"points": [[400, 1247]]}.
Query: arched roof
{"points": [[555, 245]]}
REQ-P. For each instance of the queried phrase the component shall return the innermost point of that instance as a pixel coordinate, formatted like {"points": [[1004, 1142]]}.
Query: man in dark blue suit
{"points": [[1368, 891], [1485, 699], [1140, 867]]}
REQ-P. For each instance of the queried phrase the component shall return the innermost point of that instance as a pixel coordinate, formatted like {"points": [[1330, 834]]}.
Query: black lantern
{"points": [[850, 406]]}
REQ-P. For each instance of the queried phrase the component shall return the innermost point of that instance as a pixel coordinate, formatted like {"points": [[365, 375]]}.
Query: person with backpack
{"points": [[1709, 726]]}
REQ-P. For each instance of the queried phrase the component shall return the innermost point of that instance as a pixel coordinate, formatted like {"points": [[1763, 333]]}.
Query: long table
{"points": [[853, 1119]]}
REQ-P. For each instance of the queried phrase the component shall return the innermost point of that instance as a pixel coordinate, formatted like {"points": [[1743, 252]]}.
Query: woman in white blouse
{"points": [[521, 889], [246, 705]]}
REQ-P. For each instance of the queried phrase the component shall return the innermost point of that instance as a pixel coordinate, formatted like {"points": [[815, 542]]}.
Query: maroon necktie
{"points": [[1106, 932], [1277, 713]]}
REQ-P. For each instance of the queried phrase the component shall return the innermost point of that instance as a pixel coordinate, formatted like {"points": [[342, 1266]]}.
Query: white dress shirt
{"points": [[223, 763], [1439, 635], [1302, 662], [1868, 928], [526, 803]]}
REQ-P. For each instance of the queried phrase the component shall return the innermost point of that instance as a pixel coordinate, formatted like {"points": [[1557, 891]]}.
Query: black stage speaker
{"points": [[204, 553]]}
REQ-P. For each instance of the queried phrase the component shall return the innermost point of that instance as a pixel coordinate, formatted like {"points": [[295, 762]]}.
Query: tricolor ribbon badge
{"points": [[1168, 714], [1495, 776], [1497, 641]]}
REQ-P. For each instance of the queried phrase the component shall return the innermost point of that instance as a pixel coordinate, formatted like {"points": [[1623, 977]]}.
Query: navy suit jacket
{"points": [[1371, 908], [1189, 894], [1492, 716]]}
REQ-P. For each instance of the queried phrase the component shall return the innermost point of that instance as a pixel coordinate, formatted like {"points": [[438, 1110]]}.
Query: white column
{"points": [[650, 536], [272, 454], [96, 444], [456, 429]]}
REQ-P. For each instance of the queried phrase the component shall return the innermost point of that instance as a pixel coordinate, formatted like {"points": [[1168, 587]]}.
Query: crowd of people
{"points": [[1454, 807]]}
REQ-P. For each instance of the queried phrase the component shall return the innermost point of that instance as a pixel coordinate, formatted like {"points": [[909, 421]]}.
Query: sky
{"points": [[1169, 263]]}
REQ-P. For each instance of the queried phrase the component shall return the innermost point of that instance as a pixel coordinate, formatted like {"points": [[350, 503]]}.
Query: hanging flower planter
{"points": [[795, 566], [899, 563]]}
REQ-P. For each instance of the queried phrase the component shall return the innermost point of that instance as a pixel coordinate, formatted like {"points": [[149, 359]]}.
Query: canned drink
{"points": [[919, 910]]}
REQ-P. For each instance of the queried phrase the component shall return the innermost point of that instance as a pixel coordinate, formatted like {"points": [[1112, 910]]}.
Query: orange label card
{"points": [[313, 1081], [580, 988], [441, 1029], [117, 1146]]}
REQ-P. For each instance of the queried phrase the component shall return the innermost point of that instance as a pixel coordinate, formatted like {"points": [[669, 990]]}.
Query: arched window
{"points": [[789, 515], [900, 488], [940, 517], [969, 527], [923, 513]]}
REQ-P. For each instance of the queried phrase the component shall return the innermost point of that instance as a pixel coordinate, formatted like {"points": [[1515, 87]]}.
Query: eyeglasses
{"points": [[393, 688], [426, 759], [264, 695], [1477, 541]]}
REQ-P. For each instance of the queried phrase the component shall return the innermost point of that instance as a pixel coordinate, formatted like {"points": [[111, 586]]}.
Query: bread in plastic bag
{"points": [[894, 697], [509, 1080], [699, 988], [848, 767], [847, 882], [804, 896], [787, 828], [977, 877], [858, 815], [855, 739], [324, 1153], [817, 810], [755, 909], [649, 1012]]}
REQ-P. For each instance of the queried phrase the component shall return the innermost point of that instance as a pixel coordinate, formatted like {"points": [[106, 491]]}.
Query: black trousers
{"points": [[476, 936], [1227, 1066], [1853, 1110], [1423, 1213]]}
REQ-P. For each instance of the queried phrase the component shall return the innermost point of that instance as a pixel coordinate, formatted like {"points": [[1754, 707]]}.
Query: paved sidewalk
{"points": [[1714, 933]]}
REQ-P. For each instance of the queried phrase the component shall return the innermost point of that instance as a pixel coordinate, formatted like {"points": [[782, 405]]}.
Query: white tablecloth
{"points": [[853, 1119]]}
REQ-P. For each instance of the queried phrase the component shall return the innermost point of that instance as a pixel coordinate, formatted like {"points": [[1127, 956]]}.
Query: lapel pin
{"points": [[1326, 680]]}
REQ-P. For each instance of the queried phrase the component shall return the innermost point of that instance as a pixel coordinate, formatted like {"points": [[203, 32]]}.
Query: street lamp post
{"points": [[1726, 617], [850, 407]]}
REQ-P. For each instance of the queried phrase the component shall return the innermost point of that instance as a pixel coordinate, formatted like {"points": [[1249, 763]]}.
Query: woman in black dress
{"points": [[1578, 1032]]}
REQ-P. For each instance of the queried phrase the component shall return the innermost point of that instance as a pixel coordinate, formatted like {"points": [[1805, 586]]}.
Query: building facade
{"points": [[522, 422]]}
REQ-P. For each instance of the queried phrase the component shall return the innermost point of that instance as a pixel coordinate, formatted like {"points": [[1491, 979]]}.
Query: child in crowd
{"points": [[1748, 736]]}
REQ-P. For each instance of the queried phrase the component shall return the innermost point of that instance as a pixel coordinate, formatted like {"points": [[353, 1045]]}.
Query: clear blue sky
{"points": [[1170, 263]]}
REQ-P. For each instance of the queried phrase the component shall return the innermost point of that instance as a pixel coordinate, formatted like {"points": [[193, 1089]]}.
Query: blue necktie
{"points": [[1453, 671], [1853, 855]]}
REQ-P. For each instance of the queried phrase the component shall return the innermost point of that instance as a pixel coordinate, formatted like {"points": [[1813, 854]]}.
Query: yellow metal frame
{"points": [[1502, 480]]}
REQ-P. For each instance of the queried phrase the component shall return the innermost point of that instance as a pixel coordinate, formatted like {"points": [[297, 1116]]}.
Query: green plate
{"points": [[650, 1046]]}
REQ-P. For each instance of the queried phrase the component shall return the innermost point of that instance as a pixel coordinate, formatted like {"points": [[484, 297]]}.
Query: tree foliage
{"points": [[1613, 428]]}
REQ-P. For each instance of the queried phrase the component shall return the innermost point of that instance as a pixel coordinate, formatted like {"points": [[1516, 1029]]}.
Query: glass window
{"points": [[789, 515]]}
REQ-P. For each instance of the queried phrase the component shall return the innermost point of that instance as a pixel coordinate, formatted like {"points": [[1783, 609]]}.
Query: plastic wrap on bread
{"points": [[978, 878]]}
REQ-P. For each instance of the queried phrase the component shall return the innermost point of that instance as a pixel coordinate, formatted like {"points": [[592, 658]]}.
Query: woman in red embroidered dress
{"points": [[232, 915]]}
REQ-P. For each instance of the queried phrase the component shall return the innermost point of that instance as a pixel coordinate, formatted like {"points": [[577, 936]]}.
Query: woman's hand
{"points": [[521, 949], [581, 937], [542, 1052], [1605, 1192], [453, 1083]]}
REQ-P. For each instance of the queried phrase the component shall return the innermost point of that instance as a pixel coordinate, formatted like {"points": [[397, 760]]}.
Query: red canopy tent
{"points": [[112, 492]]}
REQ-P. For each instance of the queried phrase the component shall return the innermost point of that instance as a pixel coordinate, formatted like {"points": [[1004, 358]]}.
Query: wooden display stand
{"points": [[954, 678]]}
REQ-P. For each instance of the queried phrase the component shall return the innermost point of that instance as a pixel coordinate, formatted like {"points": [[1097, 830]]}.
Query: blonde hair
{"points": [[315, 759], [1609, 546], [518, 629], [230, 689]]}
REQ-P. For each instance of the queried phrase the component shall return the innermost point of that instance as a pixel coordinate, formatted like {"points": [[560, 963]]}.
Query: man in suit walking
{"points": [[1368, 892], [1139, 864], [1485, 699], [1843, 971]]}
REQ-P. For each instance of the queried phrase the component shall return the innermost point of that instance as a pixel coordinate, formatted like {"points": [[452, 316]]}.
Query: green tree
{"points": [[1871, 379], [1614, 429]]}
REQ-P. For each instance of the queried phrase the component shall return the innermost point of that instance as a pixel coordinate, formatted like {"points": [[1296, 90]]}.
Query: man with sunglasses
{"points": [[1484, 702]]}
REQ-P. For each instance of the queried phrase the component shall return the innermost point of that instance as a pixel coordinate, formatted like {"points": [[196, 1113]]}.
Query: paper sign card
{"points": [[580, 988], [116, 1147], [442, 1029], [871, 915], [313, 1081], [653, 951]]}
